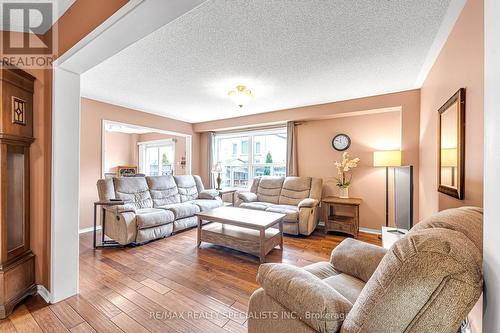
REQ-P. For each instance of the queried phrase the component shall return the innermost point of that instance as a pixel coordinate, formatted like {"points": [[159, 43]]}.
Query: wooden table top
{"points": [[110, 203], [343, 201], [247, 218], [229, 190]]}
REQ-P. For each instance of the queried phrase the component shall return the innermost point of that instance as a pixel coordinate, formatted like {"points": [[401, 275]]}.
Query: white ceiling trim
{"points": [[452, 14]]}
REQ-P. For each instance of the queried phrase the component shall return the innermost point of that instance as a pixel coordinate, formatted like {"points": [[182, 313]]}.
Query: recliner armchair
{"points": [[427, 282], [297, 197]]}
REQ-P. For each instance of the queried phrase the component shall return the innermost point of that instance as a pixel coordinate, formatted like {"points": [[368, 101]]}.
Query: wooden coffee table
{"points": [[245, 230]]}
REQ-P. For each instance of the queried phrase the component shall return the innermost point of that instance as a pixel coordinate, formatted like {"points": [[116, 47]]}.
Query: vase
{"points": [[344, 192]]}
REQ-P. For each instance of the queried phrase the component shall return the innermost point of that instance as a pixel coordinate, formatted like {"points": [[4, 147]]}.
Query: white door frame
{"points": [[132, 22], [491, 227]]}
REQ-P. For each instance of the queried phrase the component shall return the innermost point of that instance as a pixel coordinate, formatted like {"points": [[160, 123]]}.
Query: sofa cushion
{"points": [[294, 190], [134, 191], [321, 269], [269, 189], [346, 285], [163, 190], [152, 217], [305, 294], [256, 205], [207, 204], [187, 187], [292, 212], [182, 210]]}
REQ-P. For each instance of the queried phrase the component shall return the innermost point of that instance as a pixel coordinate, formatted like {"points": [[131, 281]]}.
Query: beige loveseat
{"points": [[297, 197], [154, 206], [427, 282]]}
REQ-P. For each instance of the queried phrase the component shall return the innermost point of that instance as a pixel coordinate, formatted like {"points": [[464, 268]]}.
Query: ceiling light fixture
{"points": [[241, 95]]}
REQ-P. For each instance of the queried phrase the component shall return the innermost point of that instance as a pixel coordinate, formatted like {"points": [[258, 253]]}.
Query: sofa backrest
{"points": [[429, 279], [294, 190], [163, 190], [134, 191], [189, 187], [268, 189]]}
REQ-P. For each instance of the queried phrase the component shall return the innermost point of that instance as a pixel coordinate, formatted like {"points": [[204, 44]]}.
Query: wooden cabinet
{"points": [[17, 265], [341, 215]]}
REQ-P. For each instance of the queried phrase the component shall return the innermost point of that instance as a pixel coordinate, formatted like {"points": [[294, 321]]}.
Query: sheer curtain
{"points": [[291, 149], [210, 149]]}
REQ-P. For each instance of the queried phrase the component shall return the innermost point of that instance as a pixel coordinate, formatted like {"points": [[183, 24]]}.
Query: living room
{"points": [[255, 155]]}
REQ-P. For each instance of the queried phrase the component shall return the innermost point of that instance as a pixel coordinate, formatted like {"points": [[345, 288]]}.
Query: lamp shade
{"points": [[217, 168], [449, 157], [387, 158]]}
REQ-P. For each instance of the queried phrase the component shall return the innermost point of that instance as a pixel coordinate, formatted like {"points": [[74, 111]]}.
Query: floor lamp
{"points": [[387, 159]]}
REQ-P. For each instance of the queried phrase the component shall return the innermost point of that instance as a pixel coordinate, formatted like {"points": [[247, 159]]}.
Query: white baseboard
{"points": [[371, 231], [89, 229], [44, 293], [367, 230]]}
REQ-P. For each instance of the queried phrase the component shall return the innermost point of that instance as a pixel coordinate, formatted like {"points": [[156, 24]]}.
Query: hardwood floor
{"points": [[165, 286]]}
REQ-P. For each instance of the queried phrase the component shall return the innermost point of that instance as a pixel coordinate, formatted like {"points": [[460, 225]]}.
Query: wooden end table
{"points": [[229, 190], [242, 229], [104, 242], [335, 217]]}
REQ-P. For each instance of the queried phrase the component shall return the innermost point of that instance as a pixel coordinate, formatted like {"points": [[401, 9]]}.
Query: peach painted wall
{"points": [[120, 150], [315, 158], [460, 64], [92, 114], [368, 133]]}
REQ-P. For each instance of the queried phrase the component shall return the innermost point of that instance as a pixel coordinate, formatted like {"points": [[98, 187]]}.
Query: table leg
{"points": [[262, 256], [198, 237], [103, 224], [281, 234], [326, 212], [95, 224]]}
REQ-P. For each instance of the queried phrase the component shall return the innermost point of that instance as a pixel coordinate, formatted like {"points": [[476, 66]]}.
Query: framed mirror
{"points": [[451, 146]]}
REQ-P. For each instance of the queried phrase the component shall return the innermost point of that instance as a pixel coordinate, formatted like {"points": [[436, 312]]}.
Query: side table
{"points": [[341, 215], [104, 243], [229, 190]]}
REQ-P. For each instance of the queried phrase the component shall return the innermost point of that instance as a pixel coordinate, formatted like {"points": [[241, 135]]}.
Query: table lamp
{"points": [[387, 158], [217, 168]]}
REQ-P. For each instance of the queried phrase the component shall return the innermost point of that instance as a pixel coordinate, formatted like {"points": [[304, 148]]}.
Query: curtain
{"points": [[210, 150], [291, 149]]}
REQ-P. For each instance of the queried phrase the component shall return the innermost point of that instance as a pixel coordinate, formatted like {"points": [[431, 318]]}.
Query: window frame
{"points": [[250, 135], [143, 146]]}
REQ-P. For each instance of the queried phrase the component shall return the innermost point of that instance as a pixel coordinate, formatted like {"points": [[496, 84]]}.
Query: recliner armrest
{"points": [[118, 209], [208, 194], [357, 258], [247, 196], [315, 303], [308, 203]]}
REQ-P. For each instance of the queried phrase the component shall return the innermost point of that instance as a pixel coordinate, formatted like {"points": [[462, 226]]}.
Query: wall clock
{"points": [[341, 142]]}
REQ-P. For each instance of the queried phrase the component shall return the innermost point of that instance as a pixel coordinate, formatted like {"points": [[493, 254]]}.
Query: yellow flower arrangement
{"points": [[343, 170]]}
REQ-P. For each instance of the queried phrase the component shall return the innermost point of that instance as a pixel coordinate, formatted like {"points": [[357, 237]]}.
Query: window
{"points": [[157, 158], [263, 153], [257, 148], [244, 147]]}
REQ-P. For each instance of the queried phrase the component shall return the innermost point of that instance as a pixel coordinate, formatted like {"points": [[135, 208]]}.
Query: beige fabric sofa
{"points": [[297, 197], [427, 282], [155, 207]]}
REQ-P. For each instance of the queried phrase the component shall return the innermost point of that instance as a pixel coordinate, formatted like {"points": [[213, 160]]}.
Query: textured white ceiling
{"points": [[16, 20], [289, 53]]}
